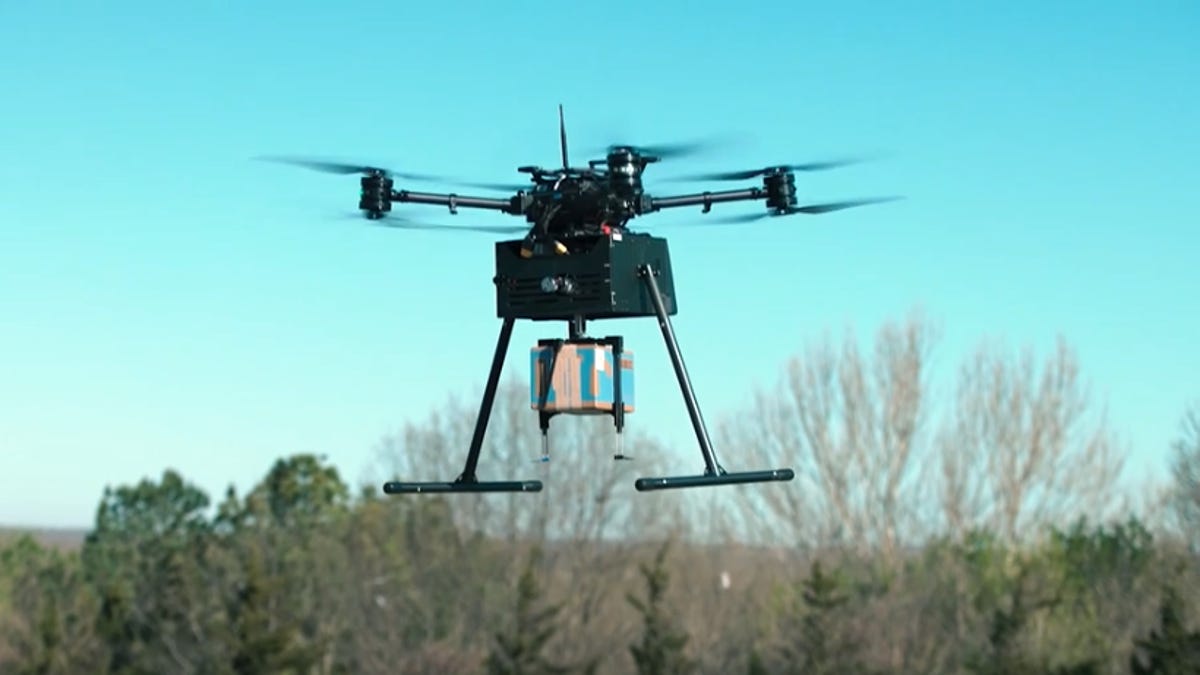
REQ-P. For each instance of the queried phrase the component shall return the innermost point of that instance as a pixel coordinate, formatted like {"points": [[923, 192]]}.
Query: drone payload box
{"points": [[582, 380]]}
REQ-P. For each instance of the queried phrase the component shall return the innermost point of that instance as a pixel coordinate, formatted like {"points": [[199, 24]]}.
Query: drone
{"points": [[578, 261]]}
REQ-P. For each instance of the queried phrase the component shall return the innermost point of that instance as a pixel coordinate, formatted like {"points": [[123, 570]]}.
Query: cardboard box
{"points": [[582, 381]]}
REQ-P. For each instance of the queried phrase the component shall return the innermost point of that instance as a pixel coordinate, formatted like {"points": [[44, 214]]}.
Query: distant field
{"points": [[58, 538]]}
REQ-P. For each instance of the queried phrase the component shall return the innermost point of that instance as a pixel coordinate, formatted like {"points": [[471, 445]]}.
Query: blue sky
{"points": [[166, 301]]}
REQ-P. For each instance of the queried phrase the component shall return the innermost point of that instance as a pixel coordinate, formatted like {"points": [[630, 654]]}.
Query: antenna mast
{"points": [[562, 134]]}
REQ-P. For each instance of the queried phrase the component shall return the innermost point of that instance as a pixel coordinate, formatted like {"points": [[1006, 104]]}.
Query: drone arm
{"points": [[705, 199], [453, 201]]}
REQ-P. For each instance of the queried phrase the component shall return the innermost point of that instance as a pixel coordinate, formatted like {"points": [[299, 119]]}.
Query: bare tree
{"points": [[1023, 446], [1019, 444], [1185, 470], [852, 427]]}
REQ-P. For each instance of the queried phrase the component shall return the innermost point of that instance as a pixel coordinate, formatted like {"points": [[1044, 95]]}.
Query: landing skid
{"points": [[714, 474], [467, 481]]}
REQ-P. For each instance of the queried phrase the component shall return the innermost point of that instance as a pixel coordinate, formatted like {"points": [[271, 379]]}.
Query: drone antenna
{"points": [[562, 134]]}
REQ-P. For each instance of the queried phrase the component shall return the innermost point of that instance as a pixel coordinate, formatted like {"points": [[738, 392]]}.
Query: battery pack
{"points": [[582, 380]]}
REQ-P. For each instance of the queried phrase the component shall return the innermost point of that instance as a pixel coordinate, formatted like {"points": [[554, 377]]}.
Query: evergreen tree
{"points": [[1170, 649], [262, 641], [518, 651], [661, 649], [820, 651]]}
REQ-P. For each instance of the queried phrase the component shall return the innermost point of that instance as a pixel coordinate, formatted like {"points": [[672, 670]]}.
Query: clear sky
{"points": [[166, 301]]}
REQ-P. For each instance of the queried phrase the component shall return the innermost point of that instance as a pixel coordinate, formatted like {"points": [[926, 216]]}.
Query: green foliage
{"points": [[1099, 572], [282, 554], [145, 559], [262, 642], [818, 644], [810, 623], [757, 666], [1170, 649], [296, 577], [519, 649], [1071, 588], [168, 511], [661, 650], [821, 596], [50, 623], [1087, 557], [297, 491]]}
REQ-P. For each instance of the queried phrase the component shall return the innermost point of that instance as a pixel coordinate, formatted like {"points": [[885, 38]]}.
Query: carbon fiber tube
{"points": [[395, 488], [708, 480]]}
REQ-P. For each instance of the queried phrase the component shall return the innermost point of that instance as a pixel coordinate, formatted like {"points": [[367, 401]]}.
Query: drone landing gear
{"points": [[467, 481], [714, 473]]}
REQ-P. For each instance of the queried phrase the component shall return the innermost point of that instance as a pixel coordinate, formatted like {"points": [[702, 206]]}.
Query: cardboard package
{"points": [[582, 381]]}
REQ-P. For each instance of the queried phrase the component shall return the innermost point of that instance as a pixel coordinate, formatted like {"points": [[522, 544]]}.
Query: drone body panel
{"points": [[597, 279]]}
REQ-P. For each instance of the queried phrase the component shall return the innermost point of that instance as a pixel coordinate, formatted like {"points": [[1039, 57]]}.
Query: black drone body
{"points": [[578, 261]]}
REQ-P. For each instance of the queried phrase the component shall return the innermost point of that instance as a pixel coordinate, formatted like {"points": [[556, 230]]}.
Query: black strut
{"points": [[714, 474], [467, 481]]}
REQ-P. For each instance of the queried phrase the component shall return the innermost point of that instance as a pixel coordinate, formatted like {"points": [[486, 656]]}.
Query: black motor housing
{"points": [[376, 196]]}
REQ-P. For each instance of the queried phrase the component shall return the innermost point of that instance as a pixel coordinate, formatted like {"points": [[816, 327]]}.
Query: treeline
{"points": [[972, 533]]}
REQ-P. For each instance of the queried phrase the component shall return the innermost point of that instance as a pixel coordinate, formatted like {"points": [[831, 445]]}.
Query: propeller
{"points": [[502, 187], [402, 223], [346, 169], [678, 149], [399, 222], [811, 209], [413, 225], [754, 173], [663, 150]]}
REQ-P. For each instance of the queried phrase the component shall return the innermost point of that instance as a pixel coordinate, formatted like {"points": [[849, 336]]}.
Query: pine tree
{"points": [[518, 651], [661, 650], [821, 597]]}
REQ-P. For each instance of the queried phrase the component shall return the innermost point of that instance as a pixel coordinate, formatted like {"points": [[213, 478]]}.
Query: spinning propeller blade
{"points": [[346, 169], [503, 187], [683, 148], [413, 225], [663, 150], [838, 206], [672, 150], [811, 209], [402, 223], [754, 173], [396, 222]]}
